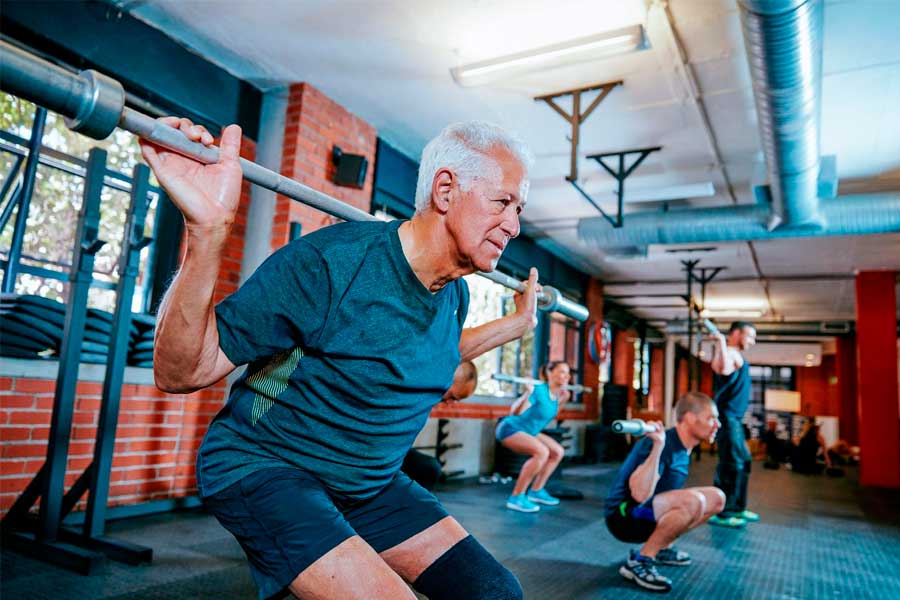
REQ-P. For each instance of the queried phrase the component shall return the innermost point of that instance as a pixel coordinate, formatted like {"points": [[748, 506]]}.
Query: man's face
{"points": [[705, 424], [746, 337], [485, 217]]}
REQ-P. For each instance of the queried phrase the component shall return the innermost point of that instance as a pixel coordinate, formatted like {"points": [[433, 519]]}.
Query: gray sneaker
{"points": [[643, 572], [673, 556]]}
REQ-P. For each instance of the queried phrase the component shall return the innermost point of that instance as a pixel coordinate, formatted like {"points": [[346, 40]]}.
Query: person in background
{"points": [[732, 395], [521, 433], [807, 448]]}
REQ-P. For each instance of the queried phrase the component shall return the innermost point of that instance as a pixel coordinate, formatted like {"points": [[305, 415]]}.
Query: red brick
{"points": [[44, 402], [40, 434], [87, 404], [17, 401], [89, 388], [12, 467], [26, 450], [35, 385], [28, 417], [9, 434], [84, 418], [13, 484], [6, 384], [128, 460]]}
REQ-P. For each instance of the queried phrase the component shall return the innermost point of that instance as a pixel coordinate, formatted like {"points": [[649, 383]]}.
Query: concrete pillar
{"points": [[261, 212]]}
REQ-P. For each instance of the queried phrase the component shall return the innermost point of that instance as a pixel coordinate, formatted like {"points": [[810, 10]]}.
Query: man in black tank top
{"points": [[732, 395]]}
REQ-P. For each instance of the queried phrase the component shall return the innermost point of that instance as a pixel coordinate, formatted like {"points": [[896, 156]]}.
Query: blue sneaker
{"points": [[541, 496], [521, 504]]}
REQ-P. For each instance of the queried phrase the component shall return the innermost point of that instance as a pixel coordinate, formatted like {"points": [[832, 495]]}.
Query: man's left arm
{"points": [[475, 341]]}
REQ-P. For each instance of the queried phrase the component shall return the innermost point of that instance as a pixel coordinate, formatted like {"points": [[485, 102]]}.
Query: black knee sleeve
{"points": [[467, 570]]}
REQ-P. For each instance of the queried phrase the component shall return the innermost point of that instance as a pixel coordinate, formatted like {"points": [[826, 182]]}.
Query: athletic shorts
{"points": [[285, 520], [626, 527], [506, 429]]}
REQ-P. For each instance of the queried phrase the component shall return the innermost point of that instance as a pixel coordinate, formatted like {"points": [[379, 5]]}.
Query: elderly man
{"points": [[646, 503], [351, 334]]}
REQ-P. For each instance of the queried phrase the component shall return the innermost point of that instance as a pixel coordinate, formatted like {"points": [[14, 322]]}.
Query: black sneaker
{"points": [[643, 572], [673, 556]]}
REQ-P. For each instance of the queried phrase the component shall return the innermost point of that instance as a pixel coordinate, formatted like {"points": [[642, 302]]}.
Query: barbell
{"points": [[574, 387], [93, 104]]}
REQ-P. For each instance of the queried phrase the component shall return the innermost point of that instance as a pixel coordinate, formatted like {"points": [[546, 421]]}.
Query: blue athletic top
{"points": [[542, 410], [347, 352], [732, 394], [673, 469]]}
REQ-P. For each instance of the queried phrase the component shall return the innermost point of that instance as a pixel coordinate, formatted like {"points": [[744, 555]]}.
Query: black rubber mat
{"points": [[819, 538]]}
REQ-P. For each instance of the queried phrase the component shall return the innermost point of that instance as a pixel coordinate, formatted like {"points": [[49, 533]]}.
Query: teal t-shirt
{"points": [[542, 410], [347, 352]]}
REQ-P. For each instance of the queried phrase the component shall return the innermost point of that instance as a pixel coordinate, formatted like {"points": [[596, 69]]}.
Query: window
{"points": [[46, 251], [641, 377], [768, 378], [488, 301], [566, 345]]}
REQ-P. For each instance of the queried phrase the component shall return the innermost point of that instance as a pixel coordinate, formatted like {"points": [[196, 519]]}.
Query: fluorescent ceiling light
{"points": [[660, 194], [618, 41], [732, 312], [735, 303]]}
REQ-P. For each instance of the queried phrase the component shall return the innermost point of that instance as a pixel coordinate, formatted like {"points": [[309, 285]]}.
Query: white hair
{"points": [[463, 148]]}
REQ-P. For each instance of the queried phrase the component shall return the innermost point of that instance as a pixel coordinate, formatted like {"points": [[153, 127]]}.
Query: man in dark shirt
{"points": [[351, 334], [646, 503], [732, 395]]}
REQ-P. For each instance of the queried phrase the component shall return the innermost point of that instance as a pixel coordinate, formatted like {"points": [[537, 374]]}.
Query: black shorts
{"points": [[285, 520], [625, 527]]}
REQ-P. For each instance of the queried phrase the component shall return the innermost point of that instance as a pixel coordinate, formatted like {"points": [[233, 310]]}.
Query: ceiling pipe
{"points": [[783, 40], [844, 215]]}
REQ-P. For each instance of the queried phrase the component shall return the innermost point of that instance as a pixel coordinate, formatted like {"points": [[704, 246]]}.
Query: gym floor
{"points": [[819, 538]]}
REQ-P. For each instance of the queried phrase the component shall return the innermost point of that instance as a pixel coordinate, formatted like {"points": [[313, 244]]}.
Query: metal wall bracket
{"points": [[620, 173], [578, 116]]}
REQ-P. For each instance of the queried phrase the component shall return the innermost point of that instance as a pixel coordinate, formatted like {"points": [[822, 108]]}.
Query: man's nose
{"points": [[510, 225]]}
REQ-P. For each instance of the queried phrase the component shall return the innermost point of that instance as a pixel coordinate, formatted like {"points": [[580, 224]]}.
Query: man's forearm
{"points": [[187, 342], [475, 341]]}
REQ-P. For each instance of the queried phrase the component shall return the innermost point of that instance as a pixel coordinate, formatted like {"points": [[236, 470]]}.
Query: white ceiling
{"points": [[388, 61]]}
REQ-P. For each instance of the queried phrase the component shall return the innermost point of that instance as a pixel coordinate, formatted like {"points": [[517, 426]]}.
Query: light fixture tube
{"points": [[608, 43]]}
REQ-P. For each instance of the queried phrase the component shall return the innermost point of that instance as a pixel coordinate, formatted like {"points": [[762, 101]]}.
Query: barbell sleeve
{"points": [[632, 426], [94, 104]]}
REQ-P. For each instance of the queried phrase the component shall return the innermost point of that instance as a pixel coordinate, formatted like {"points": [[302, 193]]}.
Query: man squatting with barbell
{"points": [[351, 334], [646, 504]]}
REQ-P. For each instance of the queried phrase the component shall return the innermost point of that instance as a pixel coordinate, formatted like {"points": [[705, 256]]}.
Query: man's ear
{"points": [[441, 188]]}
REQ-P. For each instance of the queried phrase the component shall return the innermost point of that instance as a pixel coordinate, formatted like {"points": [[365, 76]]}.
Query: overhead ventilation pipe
{"points": [[783, 39]]}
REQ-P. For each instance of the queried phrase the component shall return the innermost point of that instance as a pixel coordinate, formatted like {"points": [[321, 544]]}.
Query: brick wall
{"points": [[314, 125], [158, 434]]}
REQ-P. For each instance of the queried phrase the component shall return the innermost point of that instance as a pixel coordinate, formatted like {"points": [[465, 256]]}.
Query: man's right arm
{"points": [[723, 362], [643, 480], [187, 355]]}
